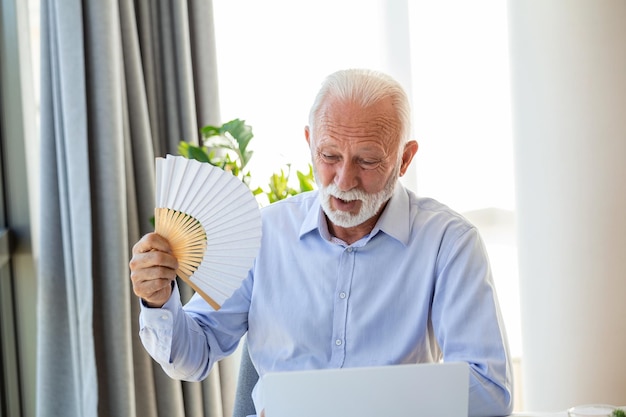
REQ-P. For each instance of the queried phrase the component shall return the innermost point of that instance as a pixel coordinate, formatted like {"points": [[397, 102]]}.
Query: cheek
{"points": [[375, 181], [324, 174]]}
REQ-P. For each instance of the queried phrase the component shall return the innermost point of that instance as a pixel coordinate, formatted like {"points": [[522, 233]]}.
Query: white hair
{"points": [[364, 87]]}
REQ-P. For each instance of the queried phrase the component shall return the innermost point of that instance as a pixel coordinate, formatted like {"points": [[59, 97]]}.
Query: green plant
{"points": [[226, 146], [280, 189], [618, 412]]}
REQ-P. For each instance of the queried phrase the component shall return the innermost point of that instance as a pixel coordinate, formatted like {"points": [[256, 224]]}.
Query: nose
{"points": [[347, 176]]}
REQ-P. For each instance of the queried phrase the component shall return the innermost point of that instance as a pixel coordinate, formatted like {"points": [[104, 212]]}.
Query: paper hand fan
{"points": [[212, 222]]}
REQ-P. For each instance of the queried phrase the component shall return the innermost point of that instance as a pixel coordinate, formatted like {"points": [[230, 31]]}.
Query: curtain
{"points": [[122, 81]]}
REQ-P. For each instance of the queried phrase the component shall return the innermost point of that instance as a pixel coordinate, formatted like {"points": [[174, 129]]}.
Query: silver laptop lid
{"points": [[416, 390]]}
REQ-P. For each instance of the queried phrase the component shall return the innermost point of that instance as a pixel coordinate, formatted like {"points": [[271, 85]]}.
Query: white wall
{"points": [[570, 140]]}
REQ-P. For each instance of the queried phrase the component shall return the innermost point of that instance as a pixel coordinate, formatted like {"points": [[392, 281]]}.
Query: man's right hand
{"points": [[152, 270]]}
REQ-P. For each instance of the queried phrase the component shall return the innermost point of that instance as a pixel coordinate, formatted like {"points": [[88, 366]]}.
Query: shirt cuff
{"points": [[156, 327]]}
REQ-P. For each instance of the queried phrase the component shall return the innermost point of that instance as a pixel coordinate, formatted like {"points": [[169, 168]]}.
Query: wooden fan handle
{"points": [[204, 295]]}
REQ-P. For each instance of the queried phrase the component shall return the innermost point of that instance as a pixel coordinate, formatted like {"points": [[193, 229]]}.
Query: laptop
{"points": [[412, 390]]}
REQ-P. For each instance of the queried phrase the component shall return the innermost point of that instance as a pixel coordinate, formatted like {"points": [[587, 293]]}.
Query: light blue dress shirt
{"points": [[417, 289]]}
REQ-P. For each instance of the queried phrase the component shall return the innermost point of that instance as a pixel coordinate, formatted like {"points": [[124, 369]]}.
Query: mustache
{"points": [[350, 195]]}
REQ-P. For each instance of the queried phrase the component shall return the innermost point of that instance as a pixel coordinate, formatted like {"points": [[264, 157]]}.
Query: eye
{"points": [[328, 158], [369, 163]]}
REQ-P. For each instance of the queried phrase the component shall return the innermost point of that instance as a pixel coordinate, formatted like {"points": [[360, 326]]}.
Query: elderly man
{"points": [[361, 272]]}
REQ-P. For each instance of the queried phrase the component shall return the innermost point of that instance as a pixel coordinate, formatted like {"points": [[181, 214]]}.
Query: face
{"points": [[357, 160]]}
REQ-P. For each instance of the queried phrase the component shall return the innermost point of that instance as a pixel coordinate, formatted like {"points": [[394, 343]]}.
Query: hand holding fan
{"points": [[212, 222]]}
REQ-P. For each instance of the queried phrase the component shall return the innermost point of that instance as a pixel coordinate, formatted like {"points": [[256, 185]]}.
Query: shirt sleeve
{"points": [[187, 340], [174, 340], [468, 323]]}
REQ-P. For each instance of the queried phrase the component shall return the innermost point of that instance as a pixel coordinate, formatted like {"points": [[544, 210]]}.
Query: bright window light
{"points": [[272, 56]]}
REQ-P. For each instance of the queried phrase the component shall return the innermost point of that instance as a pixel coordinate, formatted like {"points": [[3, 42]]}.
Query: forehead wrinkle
{"points": [[379, 127], [374, 127]]}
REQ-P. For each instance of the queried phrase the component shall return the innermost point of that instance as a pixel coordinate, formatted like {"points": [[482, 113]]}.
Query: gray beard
{"points": [[370, 203]]}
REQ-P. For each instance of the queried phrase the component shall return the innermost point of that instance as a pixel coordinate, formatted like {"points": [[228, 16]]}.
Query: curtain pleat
{"points": [[122, 82], [65, 339], [112, 321], [203, 53]]}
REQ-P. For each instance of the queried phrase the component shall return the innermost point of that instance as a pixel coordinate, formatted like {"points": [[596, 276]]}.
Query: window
{"points": [[273, 55]]}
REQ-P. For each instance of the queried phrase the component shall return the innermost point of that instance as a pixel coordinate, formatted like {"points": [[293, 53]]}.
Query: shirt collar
{"points": [[395, 218], [315, 219], [394, 221]]}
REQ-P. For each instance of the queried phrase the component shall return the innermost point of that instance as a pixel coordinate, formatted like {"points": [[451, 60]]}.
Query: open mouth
{"points": [[345, 205]]}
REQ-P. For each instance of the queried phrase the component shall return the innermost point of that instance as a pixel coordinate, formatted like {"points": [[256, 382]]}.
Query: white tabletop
{"points": [[533, 414], [546, 414]]}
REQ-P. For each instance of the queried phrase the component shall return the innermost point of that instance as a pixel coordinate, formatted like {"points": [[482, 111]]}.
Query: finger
{"points": [[154, 293], [152, 241], [151, 272], [149, 280], [152, 259], [150, 289]]}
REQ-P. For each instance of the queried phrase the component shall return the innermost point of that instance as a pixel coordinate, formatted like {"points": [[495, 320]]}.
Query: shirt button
{"points": [[349, 250], [342, 295], [338, 342], [164, 317]]}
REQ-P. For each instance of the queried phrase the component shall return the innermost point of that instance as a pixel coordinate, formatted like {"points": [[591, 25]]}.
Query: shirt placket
{"points": [[340, 310]]}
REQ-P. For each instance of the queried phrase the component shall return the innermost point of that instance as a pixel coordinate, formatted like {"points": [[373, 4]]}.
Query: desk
{"points": [[531, 414], [552, 414]]}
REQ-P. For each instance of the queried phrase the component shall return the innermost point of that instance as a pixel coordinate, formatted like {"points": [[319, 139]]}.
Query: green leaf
{"points": [[307, 181], [209, 131], [246, 157], [194, 152], [233, 137], [279, 188], [240, 131], [221, 142]]}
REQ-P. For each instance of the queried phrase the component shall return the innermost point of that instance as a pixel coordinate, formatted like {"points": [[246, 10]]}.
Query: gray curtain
{"points": [[122, 81]]}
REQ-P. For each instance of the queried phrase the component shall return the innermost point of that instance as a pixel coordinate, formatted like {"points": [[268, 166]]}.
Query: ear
{"points": [[410, 149], [307, 135]]}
